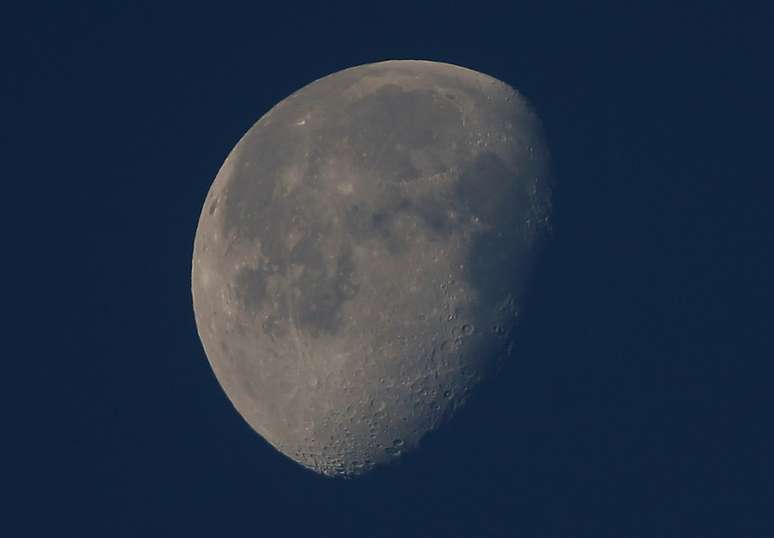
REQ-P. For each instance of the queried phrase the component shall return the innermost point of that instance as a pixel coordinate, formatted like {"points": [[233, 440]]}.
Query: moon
{"points": [[361, 258]]}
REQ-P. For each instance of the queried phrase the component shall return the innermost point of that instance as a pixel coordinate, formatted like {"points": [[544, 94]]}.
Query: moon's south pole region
{"points": [[362, 257]]}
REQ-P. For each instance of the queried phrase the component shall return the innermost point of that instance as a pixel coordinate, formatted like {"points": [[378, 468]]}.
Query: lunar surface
{"points": [[361, 258]]}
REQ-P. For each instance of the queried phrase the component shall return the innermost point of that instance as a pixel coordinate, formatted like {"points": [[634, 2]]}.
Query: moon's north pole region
{"points": [[362, 256]]}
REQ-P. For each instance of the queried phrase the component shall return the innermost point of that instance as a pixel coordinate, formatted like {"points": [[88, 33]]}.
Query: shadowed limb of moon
{"points": [[361, 257]]}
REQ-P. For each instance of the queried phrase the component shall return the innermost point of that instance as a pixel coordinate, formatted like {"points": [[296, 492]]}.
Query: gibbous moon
{"points": [[362, 256]]}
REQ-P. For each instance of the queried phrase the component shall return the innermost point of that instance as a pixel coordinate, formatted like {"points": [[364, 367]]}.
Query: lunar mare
{"points": [[362, 256]]}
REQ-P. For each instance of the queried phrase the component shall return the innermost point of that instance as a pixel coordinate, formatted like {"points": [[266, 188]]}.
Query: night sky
{"points": [[640, 404]]}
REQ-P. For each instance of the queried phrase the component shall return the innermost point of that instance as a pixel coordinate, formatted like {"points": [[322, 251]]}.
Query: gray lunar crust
{"points": [[362, 255]]}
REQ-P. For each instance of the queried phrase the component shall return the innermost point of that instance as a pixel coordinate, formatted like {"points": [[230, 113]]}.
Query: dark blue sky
{"points": [[641, 403]]}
